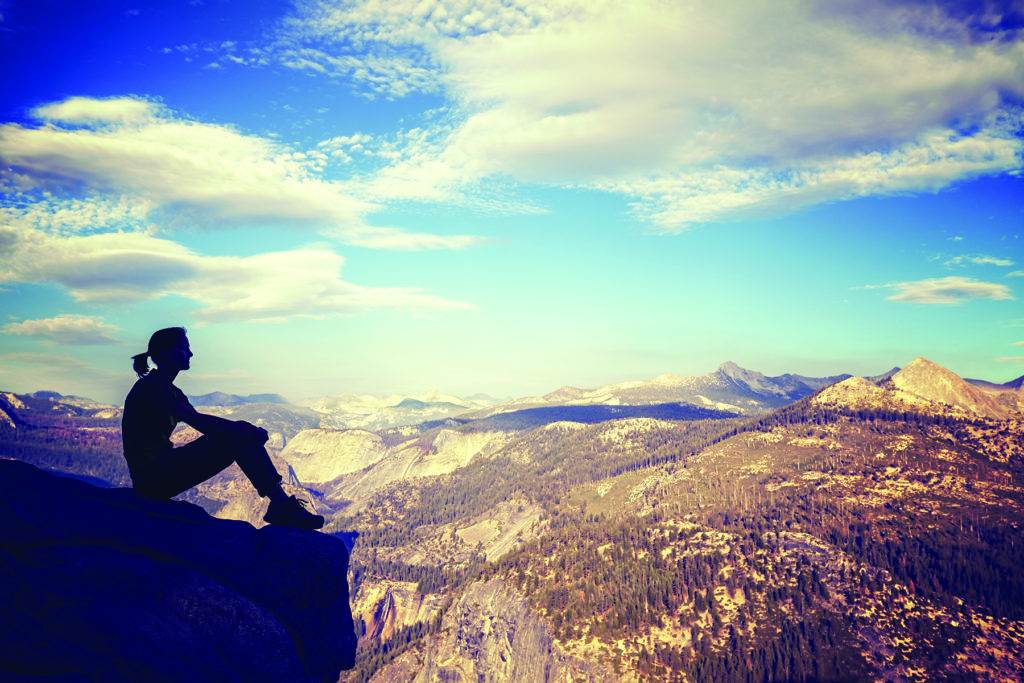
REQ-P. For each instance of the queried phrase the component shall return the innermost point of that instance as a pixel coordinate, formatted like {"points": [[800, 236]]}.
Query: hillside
{"points": [[926, 387], [869, 530], [377, 412], [319, 455], [707, 552], [65, 434]]}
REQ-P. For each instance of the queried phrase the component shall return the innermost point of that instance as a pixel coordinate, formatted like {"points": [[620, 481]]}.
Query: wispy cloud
{"points": [[1015, 273], [701, 112], [945, 290], [132, 266], [196, 173], [1019, 360], [389, 76], [66, 329], [980, 260]]}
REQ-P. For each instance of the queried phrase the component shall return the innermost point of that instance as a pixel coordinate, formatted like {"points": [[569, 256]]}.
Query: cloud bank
{"points": [[119, 267], [65, 329], [192, 173], [695, 112]]}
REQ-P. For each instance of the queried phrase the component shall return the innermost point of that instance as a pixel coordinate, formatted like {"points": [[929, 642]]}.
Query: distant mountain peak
{"points": [[47, 394], [732, 369], [921, 362], [925, 375], [220, 398], [922, 385], [885, 375]]}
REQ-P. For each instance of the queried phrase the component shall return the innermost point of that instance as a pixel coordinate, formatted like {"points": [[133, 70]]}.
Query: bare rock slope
{"points": [[319, 455], [923, 387], [491, 634]]}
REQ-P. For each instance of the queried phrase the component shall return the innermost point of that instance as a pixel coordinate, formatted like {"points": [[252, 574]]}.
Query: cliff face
{"points": [[99, 584], [319, 455], [491, 634], [386, 606]]}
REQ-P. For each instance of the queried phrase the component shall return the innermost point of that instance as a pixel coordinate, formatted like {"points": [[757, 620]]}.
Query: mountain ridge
{"points": [[922, 386], [729, 387]]}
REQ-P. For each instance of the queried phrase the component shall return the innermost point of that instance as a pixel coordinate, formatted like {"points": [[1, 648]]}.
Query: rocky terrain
{"points": [[492, 634], [838, 528], [866, 532], [729, 388], [925, 387], [319, 455], [373, 412], [100, 584]]}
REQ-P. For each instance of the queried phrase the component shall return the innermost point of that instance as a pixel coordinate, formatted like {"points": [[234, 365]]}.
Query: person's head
{"points": [[168, 348]]}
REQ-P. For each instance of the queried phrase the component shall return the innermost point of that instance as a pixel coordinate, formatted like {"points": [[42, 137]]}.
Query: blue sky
{"points": [[502, 197]]}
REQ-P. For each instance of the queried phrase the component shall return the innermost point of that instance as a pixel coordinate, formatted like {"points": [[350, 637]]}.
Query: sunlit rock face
{"points": [[923, 387], [491, 634], [100, 584], [319, 455]]}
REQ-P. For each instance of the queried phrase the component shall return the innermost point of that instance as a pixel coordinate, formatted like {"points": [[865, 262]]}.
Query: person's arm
{"points": [[217, 426]]}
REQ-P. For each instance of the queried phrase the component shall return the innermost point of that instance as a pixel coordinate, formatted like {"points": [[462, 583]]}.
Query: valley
{"points": [[780, 528]]}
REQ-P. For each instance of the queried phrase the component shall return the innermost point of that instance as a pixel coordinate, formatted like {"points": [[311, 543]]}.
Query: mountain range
{"points": [[926, 387], [219, 398], [836, 528], [729, 388]]}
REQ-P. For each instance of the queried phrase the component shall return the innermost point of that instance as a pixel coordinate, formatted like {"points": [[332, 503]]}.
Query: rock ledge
{"points": [[100, 584]]}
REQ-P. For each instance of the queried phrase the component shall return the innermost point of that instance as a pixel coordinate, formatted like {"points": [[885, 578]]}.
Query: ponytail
{"points": [[159, 343], [140, 365]]}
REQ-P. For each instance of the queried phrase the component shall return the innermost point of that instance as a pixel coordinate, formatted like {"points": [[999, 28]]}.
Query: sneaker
{"points": [[291, 511]]}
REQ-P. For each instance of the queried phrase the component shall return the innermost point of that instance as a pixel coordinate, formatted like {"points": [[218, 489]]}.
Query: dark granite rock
{"points": [[100, 584]]}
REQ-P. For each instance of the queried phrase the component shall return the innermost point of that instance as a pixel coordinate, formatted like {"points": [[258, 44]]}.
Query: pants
{"points": [[179, 469]]}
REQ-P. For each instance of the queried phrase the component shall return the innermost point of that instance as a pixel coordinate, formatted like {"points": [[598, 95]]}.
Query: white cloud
{"points": [[391, 77], [698, 111], [1015, 273], [98, 111], [1011, 359], [945, 290], [65, 329], [194, 173], [133, 266], [928, 164], [74, 216], [980, 260], [1020, 343]]}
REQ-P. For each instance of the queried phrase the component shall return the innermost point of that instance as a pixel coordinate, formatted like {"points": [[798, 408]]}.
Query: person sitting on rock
{"points": [[153, 408]]}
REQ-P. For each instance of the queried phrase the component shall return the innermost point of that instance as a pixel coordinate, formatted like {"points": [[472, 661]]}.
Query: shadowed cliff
{"points": [[99, 584]]}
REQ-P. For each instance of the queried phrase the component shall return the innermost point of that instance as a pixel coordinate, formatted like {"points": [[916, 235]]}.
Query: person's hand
{"points": [[251, 430]]}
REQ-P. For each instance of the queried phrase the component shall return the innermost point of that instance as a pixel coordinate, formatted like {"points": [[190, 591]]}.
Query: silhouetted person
{"points": [[155, 406]]}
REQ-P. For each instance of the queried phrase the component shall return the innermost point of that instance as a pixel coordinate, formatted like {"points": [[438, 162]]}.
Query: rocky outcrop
{"points": [[491, 634], [100, 584], [922, 387], [935, 383], [385, 606], [319, 455], [445, 451]]}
